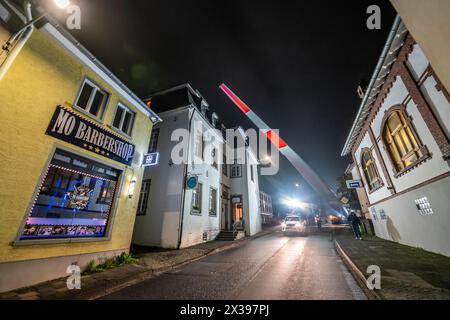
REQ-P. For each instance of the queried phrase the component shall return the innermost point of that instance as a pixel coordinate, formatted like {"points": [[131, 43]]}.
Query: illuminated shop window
{"points": [[73, 201], [424, 206]]}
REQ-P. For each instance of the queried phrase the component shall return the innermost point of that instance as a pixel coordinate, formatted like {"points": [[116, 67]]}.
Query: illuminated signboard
{"points": [[70, 127], [150, 159], [354, 184]]}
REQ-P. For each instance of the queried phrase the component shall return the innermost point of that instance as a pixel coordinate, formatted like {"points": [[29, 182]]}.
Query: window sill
{"points": [[416, 163], [118, 131], [196, 213], [24, 243], [377, 188]]}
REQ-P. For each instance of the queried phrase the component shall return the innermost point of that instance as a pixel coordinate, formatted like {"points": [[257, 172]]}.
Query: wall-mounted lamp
{"points": [[131, 188]]}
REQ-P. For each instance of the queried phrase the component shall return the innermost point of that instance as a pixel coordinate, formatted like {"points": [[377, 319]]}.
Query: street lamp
{"points": [[17, 41], [62, 4]]}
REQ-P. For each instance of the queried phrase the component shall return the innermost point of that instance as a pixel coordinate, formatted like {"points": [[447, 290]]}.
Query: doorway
{"points": [[238, 211]]}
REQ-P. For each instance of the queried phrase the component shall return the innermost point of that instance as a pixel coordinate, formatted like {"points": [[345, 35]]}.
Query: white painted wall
{"points": [[417, 64], [194, 225], [405, 225], [249, 190], [160, 226]]}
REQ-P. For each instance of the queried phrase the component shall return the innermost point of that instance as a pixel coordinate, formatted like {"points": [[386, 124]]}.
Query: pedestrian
{"points": [[319, 222], [355, 223]]}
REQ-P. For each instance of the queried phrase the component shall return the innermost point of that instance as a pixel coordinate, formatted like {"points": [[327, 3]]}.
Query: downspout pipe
{"points": [[20, 41], [384, 54], [180, 223]]}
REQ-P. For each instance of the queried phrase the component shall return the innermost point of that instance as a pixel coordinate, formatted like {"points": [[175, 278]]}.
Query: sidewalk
{"points": [[407, 273], [151, 264]]}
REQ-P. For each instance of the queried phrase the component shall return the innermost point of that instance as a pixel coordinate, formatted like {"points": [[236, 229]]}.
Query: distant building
{"points": [[171, 214], [244, 183], [265, 205], [400, 144]]}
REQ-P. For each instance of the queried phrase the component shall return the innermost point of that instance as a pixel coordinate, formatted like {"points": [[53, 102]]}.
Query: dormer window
{"points": [[214, 119]]}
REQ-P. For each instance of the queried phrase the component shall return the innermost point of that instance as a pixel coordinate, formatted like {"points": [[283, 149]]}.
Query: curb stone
{"points": [[357, 274]]}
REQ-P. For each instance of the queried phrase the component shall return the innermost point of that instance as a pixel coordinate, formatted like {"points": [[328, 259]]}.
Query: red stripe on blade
{"points": [[276, 140], [238, 102]]}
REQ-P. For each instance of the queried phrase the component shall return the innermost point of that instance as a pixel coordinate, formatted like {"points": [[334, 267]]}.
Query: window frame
{"points": [[155, 132], [197, 212], [377, 182], [130, 111], [96, 87], [213, 213], [406, 125], [139, 212], [114, 205], [199, 144], [233, 176]]}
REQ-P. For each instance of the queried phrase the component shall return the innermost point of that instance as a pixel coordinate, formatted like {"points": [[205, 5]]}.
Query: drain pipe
{"points": [[185, 172], [20, 40]]}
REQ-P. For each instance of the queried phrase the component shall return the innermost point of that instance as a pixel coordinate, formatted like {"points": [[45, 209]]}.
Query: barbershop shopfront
{"points": [[72, 142]]}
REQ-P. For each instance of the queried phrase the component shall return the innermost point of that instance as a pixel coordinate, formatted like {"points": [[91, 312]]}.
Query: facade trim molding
{"points": [[420, 185]]}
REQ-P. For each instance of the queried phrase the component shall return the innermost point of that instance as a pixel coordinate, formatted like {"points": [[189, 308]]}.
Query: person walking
{"points": [[319, 222], [355, 223]]}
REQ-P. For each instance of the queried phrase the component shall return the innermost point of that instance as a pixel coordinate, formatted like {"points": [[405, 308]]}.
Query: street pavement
{"points": [[275, 267]]}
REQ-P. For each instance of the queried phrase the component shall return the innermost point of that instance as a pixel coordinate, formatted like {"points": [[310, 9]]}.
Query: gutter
{"points": [[349, 142], [180, 224], [153, 116], [20, 39]]}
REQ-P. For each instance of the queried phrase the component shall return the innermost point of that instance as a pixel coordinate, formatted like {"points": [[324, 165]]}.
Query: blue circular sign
{"points": [[192, 182]]}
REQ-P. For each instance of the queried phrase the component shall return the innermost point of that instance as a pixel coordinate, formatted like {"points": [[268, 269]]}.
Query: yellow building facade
{"points": [[68, 195]]}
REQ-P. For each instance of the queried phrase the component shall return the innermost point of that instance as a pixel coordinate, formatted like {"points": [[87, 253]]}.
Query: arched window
{"points": [[370, 170], [401, 141]]}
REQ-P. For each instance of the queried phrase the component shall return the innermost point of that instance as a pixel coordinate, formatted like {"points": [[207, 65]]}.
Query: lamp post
{"points": [[17, 41]]}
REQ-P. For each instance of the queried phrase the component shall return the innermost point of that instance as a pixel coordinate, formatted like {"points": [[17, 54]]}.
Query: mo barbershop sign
{"points": [[70, 127]]}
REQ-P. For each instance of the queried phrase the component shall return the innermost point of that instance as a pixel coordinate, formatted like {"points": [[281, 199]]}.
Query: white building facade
{"points": [[244, 182], [265, 204], [171, 214], [401, 150]]}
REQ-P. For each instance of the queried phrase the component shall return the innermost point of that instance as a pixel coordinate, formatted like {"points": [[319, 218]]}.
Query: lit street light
{"points": [[18, 40], [62, 4]]}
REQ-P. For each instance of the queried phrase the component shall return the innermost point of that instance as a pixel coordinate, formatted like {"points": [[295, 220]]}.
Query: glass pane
{"points": [[412, 138], [118, 117], [406, 140], [127, 122], [399, 144], [394, 122], [71, 203], [97, 104], [85, 95]]}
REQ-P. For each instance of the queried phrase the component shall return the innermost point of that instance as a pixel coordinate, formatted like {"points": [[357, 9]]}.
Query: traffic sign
{"points": [[192, 182], [354, 184]]}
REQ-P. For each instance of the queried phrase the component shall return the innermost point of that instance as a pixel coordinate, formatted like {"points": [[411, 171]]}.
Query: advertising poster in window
{"points": [[73, 201]]}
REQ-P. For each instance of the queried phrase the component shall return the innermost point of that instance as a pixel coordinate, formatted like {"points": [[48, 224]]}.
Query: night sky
{"points": [[296, 63]]}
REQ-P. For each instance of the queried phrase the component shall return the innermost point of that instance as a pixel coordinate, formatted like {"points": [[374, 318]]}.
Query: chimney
{"points": [[362, 88]]}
